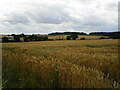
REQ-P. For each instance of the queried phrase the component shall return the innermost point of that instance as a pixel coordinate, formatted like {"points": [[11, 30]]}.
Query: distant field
{"points": [[79, 36], [61, 64]]}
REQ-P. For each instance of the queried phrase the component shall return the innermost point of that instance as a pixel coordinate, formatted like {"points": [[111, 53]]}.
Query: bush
{"points": [[68, 37], [102, 38], [27, 39], [22, 35], [74, 36], [45, 38], [17, 38], [50, 39], [4, 39], [82, 38], [115, 36], [40, 39]]}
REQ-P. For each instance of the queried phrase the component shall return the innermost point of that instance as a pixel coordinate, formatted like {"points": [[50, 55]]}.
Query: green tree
{"points": [[68, 37], [82, 38], [27, 39], [4, 39], [74, 36], [17, 38], [45, 38]]}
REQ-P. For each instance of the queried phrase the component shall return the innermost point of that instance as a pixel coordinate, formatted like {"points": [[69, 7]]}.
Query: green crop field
{"points": [[61, 64]]}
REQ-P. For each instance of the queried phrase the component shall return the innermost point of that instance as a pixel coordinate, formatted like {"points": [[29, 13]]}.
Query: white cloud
{"points": [[44, 16]]}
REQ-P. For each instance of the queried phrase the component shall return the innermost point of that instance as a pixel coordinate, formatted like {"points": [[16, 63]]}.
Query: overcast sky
{"points": [[45, 16]]}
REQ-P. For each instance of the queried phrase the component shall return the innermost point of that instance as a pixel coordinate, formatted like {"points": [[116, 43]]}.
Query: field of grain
{"points": [[61, 64], [87, 37]]}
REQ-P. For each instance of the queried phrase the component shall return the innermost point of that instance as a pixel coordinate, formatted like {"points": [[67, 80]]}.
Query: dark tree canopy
{"points": [[17, 38], [67, 33], [45, 38], [68, 37], [74, 36], [4, 39], [82, 38], [22, 35], [71, 35], [27, 39]]}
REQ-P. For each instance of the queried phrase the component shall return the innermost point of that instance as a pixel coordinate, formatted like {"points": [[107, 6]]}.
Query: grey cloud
{"points": [[48, 14], [41, 13], [15, 18], [108, 6], [112, 6], [47, 17], [94, 20]]}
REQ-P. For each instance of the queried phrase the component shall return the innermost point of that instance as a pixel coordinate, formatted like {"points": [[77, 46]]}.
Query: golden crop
{"points": [[61, 64]]}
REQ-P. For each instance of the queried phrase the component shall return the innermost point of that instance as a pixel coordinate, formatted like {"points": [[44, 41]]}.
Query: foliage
{"points": [[102, 38], [74, 36], [45, 38], [4, 39], [68, 37], [67, 33], [82, 38], [27, 39], [17, 38]]}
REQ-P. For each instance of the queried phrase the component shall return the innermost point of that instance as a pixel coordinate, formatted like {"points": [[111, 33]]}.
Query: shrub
{"points": [[27, 39], [4, 39], [45, 38], [74, 36], [115, 36], [82, 38], [102, 38], [68, 37], [17, 38]]}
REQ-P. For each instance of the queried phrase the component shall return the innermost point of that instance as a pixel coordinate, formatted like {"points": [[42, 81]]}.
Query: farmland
{"points": [[91, 63]]}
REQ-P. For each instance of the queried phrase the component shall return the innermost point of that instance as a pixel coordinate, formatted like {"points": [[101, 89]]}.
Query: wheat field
{"points": [[61, 64]]}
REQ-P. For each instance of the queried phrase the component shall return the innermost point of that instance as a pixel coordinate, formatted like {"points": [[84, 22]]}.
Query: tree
{"points": [[115, 36], [102, 38], [12, 34], [26, 39], [17, 38], [68, 37], [40, 38], [36, 38], [74, 36], [4, 39], [45, 38], [82, 38], [22, 35], [32, 38]]}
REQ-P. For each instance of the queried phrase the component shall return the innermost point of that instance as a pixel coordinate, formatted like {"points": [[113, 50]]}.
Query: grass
{"points": [[93, 46], [61, 64]]}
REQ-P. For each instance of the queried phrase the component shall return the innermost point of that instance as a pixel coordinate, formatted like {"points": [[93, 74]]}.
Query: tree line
{"points": [[114, 35], [26, 38], [68, 33], [70, 36]]}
